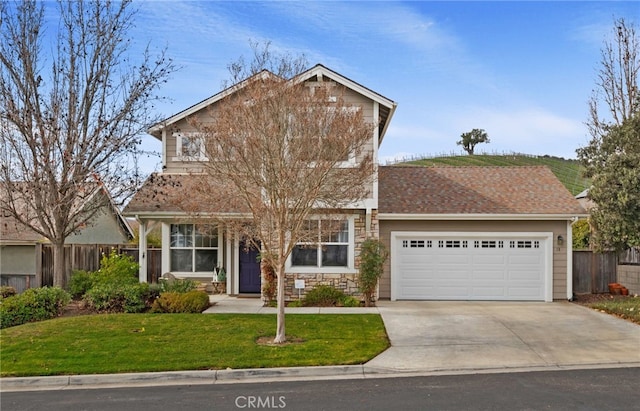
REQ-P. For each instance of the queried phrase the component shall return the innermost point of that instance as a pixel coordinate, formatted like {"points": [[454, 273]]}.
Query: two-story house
{"points": [[192, 249], [455, 233]]}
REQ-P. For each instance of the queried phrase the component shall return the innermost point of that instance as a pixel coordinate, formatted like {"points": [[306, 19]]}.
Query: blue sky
{"points": [[523, 71]]}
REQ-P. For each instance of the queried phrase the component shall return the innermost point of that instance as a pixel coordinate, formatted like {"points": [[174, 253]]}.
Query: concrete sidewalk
{"points": [[223, 303], [427, 338]]}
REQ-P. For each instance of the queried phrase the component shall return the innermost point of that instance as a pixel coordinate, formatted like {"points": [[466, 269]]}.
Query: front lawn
{"points": [[117, 343]]}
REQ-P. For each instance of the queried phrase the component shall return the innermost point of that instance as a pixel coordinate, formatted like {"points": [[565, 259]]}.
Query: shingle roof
{"points": [[183, 194], [473, 190], [12, 230]]}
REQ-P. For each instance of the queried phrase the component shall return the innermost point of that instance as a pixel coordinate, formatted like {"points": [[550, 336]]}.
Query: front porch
{"points": [[198, 251], [207, 253]]}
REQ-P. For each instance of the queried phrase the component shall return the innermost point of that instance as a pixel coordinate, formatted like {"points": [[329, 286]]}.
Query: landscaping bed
{"points": [[623, 306]]}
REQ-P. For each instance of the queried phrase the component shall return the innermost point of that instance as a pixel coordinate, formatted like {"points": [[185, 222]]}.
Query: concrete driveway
{"points": [[451, 336]]}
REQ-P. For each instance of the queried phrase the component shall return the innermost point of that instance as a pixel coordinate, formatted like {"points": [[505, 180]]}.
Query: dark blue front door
{"points": [[249, 269]]}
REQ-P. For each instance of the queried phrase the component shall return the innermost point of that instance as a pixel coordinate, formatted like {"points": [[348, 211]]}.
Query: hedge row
{"points": [[35, 304]]}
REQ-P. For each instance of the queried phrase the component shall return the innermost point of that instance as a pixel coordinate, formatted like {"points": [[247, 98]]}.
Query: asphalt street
{"points": [[597, 389]]}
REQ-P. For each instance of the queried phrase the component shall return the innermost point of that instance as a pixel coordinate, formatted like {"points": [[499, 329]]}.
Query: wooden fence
{"points": [[87, 257], [630, 256], [592, 272]]}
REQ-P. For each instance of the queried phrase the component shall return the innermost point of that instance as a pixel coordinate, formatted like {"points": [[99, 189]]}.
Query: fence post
{"points": [[594, 286]]}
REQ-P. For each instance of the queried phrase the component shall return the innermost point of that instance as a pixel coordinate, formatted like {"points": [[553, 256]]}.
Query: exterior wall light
{"points": [[560, 240]]}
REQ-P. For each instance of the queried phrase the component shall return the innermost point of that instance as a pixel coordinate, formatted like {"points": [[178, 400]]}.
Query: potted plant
{"points": [[219, 280]]}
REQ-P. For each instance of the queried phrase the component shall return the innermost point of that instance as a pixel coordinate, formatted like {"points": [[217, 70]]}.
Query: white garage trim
{"points": [[546, 243]]}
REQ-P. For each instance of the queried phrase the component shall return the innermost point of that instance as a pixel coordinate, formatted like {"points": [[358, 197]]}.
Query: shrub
{"points": [[112, 297], [117, 268], [173, 302], [323, 296], [35, 304], [295, 303], [177, 285], [350, 301], [7, 291], [373, 255], [80, 282], [269, 281]]}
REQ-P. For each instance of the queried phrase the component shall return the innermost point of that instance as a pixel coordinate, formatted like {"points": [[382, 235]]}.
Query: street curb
{"points": [[179, 377], [231, 376]]}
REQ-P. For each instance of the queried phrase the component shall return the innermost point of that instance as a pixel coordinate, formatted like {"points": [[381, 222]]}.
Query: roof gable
{"points": [[474, 191], [387, 106], [13, 231]]}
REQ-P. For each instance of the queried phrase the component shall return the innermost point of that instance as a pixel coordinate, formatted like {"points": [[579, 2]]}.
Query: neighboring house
{"points": [[18, 258], [454, 233], [584, 200]]}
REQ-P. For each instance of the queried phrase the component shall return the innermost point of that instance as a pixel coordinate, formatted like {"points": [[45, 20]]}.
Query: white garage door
{"points": [[456, 267]]}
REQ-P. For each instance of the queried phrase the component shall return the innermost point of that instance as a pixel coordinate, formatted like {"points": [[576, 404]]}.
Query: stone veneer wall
{"points": [[629, 276], [346, 282]]}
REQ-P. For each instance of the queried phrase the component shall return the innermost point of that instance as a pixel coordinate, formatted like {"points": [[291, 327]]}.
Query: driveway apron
{"points": [[439, 336]]}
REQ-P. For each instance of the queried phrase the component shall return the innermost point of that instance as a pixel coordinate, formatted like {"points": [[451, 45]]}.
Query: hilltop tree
{"points": [[471, 139], [71, 128], [612, 157], [281, 143]]}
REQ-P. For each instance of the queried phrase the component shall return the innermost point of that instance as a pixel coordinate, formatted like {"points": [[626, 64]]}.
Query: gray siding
{"points": [[17, 259]]}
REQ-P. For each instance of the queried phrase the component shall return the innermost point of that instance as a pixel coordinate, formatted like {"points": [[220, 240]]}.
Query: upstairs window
{"points": [[189, 147]]}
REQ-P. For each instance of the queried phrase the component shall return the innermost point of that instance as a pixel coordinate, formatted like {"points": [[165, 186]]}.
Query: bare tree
{"points": [[612, 157], [69, 131], [281, 144], [617, 81]]}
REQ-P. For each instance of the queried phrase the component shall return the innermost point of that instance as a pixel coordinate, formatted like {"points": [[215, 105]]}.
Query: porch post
{"points": [[142, 250], [227, 260]]}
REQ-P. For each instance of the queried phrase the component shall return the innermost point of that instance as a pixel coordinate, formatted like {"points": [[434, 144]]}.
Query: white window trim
{"points": [[349, 269], [181, 274], [179, 157]]}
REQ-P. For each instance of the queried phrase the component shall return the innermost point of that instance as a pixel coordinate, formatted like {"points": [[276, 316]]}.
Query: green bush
{"points": [[323, 296], [373, 255], [295, 303], [111, 297], [117, 268], [177, 285], [35, 304], [174, 302], [350, 301], [80, 282], [6, 291]]}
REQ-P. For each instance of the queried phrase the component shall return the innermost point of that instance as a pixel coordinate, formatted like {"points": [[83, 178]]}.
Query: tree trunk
{"points": [[59, 271], [280, 332]]}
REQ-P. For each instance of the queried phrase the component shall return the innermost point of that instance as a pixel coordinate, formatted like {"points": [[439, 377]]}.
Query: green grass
{"points": [[569, 172], [628, 308], [118, 343]]}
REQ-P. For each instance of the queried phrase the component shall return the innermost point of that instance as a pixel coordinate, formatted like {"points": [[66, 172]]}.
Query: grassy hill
{"points": [[567, 171]]}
